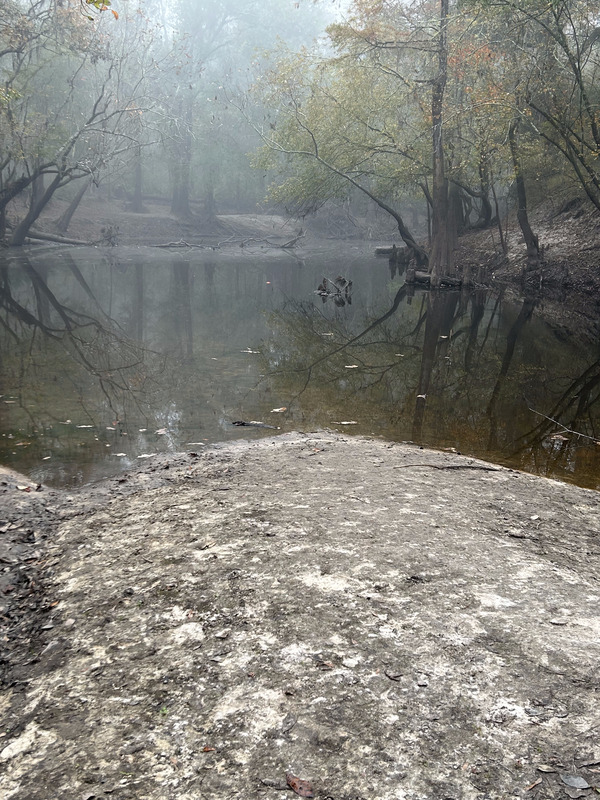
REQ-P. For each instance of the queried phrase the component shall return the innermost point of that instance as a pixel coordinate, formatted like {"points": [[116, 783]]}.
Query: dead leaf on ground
{"points": [[278, 410], [302, 788], [575, 781]]}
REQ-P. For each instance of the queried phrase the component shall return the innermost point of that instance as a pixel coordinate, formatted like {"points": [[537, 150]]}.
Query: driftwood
{"points": [[240, 242], [181, 243], [50, 237], [388, 251], [400, 254], [416, 276]]}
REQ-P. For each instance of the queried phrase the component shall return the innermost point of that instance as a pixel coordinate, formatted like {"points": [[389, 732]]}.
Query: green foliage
{"points": [[99, 6], [361, 111]]}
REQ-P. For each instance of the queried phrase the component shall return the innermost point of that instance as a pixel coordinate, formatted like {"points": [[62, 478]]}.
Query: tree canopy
{"points": [[449, 107], [459, 100]]}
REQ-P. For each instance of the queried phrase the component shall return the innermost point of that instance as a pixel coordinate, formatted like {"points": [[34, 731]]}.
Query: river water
{"points": [[110, 355]]}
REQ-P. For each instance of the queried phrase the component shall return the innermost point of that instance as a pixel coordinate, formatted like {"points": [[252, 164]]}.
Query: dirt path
{"points": [[381, 621]]}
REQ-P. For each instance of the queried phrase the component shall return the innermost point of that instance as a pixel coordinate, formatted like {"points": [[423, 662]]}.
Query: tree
{"points": [[374, 117], [213, 44], [557, 45], [72, 102]]}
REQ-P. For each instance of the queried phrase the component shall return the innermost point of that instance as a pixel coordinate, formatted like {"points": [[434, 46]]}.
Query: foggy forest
{"points": [[287, 172], [299, 399], [448, 110]]}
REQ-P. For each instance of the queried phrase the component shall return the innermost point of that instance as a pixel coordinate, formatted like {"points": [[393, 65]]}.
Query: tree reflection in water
{"points": [[458, 370], [86, 351], [155, 354]]}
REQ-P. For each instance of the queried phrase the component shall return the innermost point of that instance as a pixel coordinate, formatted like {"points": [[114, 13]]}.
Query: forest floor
{"points": [[335, 617]]}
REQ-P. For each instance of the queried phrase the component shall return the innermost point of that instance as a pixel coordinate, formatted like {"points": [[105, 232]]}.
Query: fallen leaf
{"points": [[546, 768], [278, 410], [161, 431], [24, 488], [351, 366], [575, 781], [302, 788], [209, 749]]}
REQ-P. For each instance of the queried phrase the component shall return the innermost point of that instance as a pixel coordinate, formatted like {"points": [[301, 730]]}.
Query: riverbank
{"points": [[568, 229], [379, 620]]}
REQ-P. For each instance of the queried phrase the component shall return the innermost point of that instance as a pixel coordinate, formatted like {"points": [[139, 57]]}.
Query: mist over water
{"points": [[109, 356]]}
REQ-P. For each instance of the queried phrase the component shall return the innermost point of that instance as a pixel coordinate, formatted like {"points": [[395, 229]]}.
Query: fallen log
{"points": [[182, 243], [50, 237], [417, 276]]}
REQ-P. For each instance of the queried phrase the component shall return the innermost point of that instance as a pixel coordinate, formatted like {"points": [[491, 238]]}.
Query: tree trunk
{"points": [[138, 197], [22, 229], [441, 256], [64, 220], [485, 212], [11, 191], [531, 240], [37, 190], [180, 203], [499, 221], [210, 202]]}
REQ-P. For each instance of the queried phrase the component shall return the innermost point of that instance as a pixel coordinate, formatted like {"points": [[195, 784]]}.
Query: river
{"points": [[110, 355]]}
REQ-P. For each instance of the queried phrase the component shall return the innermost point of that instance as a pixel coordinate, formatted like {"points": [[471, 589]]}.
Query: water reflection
{"points": [[108, 356]]}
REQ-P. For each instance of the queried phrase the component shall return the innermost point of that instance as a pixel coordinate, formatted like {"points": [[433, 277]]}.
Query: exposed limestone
{"points": [[382, 621]]}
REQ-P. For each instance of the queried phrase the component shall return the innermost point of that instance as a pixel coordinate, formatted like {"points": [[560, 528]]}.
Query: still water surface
{"points": [[111, 355]]}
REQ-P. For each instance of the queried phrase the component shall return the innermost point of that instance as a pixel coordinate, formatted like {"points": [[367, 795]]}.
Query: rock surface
{"points": [[375, 619]]}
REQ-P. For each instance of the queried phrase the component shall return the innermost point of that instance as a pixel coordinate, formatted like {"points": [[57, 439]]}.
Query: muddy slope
{"points": [[378, 620]]}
